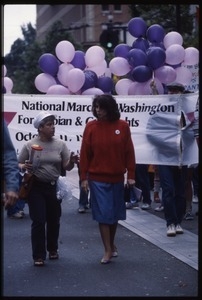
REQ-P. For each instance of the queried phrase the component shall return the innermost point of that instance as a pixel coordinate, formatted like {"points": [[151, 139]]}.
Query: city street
{"points": [[149, 264]]}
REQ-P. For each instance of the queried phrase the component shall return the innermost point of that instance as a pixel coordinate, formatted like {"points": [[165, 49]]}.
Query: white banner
{"points": [[154, 122]]}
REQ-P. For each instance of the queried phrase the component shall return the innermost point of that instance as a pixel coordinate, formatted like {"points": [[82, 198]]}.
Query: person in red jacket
{"points": [[107, 158]]}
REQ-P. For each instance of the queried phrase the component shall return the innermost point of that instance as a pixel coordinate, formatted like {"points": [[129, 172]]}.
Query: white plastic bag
{"points": [[63, 188]]}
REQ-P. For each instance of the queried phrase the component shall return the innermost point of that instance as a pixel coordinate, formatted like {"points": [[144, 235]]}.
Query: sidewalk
{"points": [[153, 229], [149, 264]]}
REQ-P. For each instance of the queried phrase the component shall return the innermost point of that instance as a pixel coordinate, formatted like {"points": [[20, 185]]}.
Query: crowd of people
{"points": [[106, 141]]}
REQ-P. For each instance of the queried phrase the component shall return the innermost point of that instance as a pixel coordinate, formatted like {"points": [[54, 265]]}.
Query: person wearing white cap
{"points": [[44, 207], [173, 179]]}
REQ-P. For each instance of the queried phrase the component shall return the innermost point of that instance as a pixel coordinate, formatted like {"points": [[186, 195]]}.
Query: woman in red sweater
{"points": [[107, 154]]}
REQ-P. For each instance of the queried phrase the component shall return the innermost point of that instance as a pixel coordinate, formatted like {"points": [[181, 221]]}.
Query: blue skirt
{"points": [[107, 202]]}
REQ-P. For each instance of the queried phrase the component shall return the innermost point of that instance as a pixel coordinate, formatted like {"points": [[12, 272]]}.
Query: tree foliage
{"points": [[22, 61], [171, 18]]}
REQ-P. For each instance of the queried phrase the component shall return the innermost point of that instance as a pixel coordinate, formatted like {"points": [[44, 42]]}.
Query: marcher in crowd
{"points": [[16, 211], [190, 187], [173, 179], [143, 183], [195, 126], [84, 201], [10, 182], [44, 207], [107, 158]]}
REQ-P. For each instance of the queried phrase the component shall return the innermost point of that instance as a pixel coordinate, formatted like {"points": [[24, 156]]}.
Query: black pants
{"points": [[45, 213]]}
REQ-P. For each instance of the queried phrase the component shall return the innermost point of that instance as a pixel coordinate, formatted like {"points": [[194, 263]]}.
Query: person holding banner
{"points": [[173, 183], [106, 156], [44, 206]]}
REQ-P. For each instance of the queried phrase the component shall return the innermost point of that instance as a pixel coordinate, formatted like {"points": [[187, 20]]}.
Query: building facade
{"points": [[84, 22]]}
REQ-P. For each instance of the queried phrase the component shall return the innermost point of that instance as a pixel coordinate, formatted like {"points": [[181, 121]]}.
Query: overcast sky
{"points": [[16, 16]]}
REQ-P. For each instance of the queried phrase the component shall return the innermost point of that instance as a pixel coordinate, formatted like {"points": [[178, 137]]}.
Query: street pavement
{"points": [[149, 264]]}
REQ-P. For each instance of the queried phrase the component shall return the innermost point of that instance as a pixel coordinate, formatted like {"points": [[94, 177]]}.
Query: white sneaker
{"points": [[179, 229], [145, 206], [130, 205], [171, 230], [17, 215], [81, 210], [159, 208], [195, 199]]}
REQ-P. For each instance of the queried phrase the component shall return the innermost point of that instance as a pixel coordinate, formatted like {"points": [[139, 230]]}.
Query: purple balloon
{"points": [[141, 73], [122, 50], [137, 27], [105, 84], [141, 44], [155, 44], [156, 57], [155, 33], [79, 60], [137, 57], [90, 80], [49, 64]]}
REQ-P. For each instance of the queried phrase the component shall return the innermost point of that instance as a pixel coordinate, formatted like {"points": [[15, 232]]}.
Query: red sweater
{"points": [[107, 152]]}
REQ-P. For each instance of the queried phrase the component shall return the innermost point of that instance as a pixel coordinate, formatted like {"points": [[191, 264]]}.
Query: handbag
{"points": [[26, 185]]}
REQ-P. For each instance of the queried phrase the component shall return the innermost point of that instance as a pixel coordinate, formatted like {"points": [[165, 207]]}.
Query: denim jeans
{"points": [[172, 179], [18, 206], [83, 197], [143, 182]]}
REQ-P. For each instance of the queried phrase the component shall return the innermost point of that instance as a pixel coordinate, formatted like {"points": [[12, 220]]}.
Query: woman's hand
{"points": [[131, 182], [74, 159], [84, 185]]}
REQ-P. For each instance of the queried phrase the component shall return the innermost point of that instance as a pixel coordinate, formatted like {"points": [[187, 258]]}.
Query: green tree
{"points": [[22, 61], [171, 18]]}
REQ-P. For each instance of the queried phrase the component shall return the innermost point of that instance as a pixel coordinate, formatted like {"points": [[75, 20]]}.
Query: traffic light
{"points": [[109, 39]]}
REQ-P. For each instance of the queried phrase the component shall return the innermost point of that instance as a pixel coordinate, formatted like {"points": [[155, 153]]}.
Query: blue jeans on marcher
{"points": [[83, 197], [18, 206], [143, 182], [172, 179]]}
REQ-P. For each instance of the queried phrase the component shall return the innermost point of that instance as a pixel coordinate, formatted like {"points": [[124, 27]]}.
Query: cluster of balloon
{"points": [[7, 82], [74, 72], [154, 55]]}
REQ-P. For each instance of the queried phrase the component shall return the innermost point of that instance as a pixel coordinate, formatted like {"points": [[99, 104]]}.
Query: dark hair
{"points": [[108, 103]]}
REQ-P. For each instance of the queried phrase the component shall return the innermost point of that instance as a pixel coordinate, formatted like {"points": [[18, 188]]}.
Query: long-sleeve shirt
{"points": [[107, 152], [10, 162]]}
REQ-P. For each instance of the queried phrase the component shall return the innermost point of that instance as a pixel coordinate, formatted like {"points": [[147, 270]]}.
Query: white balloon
{"points": [[43, 81], [63, 70], [75, 79], [175, 54], [171, 38], [4, 71], [191, 56], [122, 86], [94, 55], [65, 51], [184, 75], [99, 69], [8, 84], [93, 91], [119, 66], [58, 89]]}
